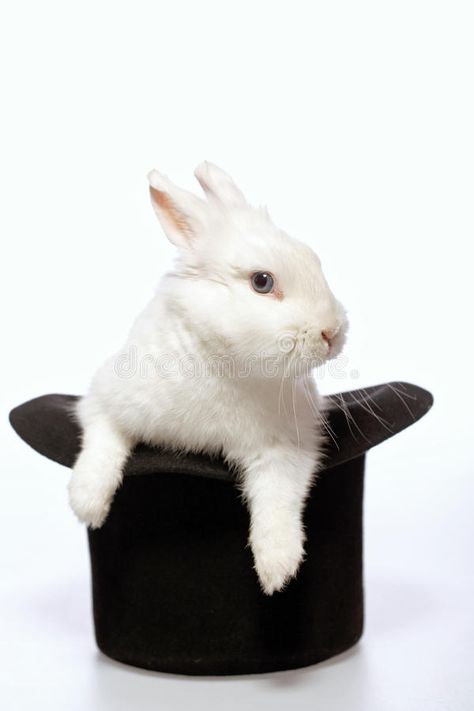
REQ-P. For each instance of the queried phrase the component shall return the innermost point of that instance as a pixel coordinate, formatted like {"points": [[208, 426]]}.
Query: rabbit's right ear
{"points": [[218, 184], [181, 214]]}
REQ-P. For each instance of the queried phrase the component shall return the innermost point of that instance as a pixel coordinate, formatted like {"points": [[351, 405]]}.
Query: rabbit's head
{"points": [[241, 286]]}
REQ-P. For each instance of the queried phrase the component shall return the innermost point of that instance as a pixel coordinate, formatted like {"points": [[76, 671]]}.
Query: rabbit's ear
{"points": [[180, 213], [217, 184]]}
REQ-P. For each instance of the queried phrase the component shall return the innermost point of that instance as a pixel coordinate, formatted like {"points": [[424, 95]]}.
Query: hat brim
{"points": [[356, 421]]}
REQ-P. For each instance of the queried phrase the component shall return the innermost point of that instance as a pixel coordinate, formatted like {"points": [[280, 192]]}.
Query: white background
{"points": [[354, 122]]}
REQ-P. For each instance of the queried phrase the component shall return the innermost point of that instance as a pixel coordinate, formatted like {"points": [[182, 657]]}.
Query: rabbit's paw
{"points": [[277, 559], [90, 500]]}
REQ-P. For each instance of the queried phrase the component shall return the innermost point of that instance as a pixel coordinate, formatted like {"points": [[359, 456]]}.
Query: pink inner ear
{"points": [[172, 214]]}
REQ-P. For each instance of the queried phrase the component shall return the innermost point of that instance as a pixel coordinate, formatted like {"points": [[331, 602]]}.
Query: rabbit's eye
{"points": [[262, 282]]}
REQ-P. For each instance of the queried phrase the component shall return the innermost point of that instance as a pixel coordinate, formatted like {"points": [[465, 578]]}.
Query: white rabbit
{"points": [[220, 361]]}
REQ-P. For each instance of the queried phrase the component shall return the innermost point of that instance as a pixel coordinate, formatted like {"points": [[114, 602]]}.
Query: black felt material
{"points": [[174, 587], [358, 419], [173, 583]]}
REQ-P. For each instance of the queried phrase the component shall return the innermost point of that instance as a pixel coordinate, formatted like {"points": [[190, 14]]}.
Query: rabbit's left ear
{"points": [[217, 184], [180, 213]]}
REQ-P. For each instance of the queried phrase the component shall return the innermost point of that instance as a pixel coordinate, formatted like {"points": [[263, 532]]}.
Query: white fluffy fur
{"points": [[267, 423]]}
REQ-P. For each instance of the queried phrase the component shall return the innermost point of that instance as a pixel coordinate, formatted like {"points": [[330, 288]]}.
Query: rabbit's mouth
{"points": [[319, 347], [336, 341], [311, 350], [329, 341], [333, 341]]}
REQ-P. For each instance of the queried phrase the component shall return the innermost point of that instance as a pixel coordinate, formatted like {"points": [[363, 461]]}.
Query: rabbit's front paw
{"points": [[90, 501], [277, 559]]}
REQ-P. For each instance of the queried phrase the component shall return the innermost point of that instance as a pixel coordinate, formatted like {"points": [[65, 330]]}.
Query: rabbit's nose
{"points": [[328, 334]]}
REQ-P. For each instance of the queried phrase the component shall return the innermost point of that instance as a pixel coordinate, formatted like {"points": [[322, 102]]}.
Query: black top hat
{"points": [[172, 579]]}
